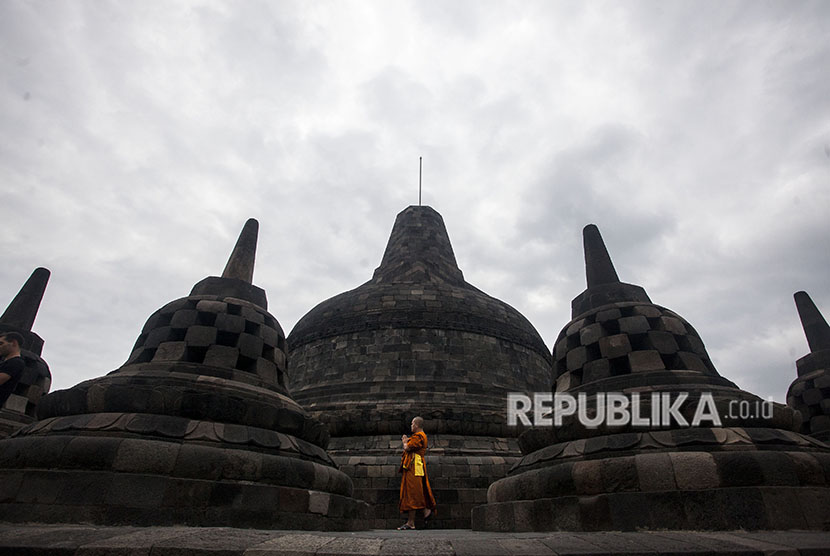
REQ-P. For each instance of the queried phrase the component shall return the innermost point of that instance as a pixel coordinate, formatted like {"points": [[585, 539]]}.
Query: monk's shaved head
{"points": [[419, 422]]}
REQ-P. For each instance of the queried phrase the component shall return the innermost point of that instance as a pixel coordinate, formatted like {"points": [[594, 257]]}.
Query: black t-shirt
{"points": [[14, 368]]}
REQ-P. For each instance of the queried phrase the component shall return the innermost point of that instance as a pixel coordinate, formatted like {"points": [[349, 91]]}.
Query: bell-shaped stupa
{"points": [[21, 407], [417, 339], [810, 392], [196, 428], [655, 438]]}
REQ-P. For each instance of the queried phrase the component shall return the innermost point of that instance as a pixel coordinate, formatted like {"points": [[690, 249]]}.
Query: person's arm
{"points": [[4, 378], [414, 444]]}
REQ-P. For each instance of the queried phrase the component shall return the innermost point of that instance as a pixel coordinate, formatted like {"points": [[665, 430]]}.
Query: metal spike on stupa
{"points": [[809, 394], [417, 339], [21, 407], [740, 466], [196, 428]]}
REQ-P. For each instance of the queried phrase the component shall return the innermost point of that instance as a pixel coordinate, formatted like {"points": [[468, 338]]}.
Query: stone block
{"points": [[691, 362], [819, 423], [587, 477], [812, 396], [577, 357], [90, 452], [251, 314], [591, 334], [594, 513], [561, 348], [143, 456], [270, 336], [318, 502], [184, 318], [655, 472], [170, 351], [199, 462], [619, 474], [617, 345], [40, 487], [200, 336], [637, 324], [136, 491], [221, 356], [644, 361], [739, 469], [250, 346], [211, 306], [230, 323], [16, 403], [608, 314], [694, 470], [157, 336], [596, 370], [661, 341], [783, 509], [673, 325], [266, 370]]}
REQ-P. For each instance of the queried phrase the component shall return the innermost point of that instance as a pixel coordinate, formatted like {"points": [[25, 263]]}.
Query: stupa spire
{"points": [[598, 266], [241, 262], [419, 250], [603, 284], [815, 326], [237, 278], [22, 311]]}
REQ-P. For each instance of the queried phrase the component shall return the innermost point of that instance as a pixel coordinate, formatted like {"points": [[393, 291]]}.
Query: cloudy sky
{"points": [[137, 137]]}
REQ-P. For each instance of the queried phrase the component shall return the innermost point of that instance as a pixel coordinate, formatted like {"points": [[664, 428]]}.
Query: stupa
{"points": [[749, 470], [21, 407], [810, 392], [196, 428], [417, 339]]}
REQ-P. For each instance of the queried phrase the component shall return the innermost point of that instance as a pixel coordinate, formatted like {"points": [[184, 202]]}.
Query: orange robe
{"points": [[415, 491]]}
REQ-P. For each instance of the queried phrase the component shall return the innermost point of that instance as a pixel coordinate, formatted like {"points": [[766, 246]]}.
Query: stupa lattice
{"points": [[21, 407], [809, 394], [417, 339], [746, 472], [195, 428]]}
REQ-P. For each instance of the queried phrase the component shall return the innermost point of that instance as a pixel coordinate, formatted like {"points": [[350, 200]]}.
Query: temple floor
{"points": [[91, 540]]}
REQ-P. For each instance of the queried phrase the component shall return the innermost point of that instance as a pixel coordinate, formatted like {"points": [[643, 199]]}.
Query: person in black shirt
{"points": [[11, 368]]}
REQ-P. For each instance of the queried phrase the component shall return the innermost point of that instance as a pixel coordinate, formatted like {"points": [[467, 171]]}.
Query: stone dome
{"points": [[619, 341], [417, 339], [416, 328]]}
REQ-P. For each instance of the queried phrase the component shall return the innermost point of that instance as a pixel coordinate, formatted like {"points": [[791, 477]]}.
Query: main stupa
{"points": [[417, 339]]}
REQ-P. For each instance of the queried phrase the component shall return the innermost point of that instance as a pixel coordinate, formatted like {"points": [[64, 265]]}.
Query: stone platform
{"points": [[88, 540]]}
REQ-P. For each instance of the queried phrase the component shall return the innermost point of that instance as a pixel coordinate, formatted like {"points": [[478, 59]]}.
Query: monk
{"points": [[416, 493]]}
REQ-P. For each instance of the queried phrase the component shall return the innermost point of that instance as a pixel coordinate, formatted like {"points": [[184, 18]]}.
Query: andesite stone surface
{"points": [[21, 407], [749, 472], [809, 394], [417, 339], [196, 428]]}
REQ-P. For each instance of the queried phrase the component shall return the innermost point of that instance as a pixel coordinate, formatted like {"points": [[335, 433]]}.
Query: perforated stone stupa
{"points": [[21, 407], [810, 392], [417, 339], [751, 472], [196, 428]]}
